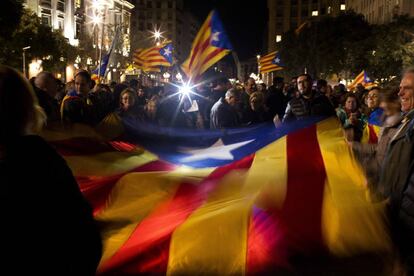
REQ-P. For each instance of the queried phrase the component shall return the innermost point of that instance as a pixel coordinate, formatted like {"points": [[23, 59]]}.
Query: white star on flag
{"points": [[215, 36], [167, 51], [218, 151], [277, 60]]}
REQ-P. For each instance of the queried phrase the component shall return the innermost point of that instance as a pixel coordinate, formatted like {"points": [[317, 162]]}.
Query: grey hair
{"points": [[232, 92], [41, 78], [408, 70]]}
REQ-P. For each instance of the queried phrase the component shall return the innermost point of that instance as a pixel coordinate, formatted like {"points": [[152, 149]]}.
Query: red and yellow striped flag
{"points": [[210, 45], [247, 217], [270, 62], [150, 59], [361, 78]]}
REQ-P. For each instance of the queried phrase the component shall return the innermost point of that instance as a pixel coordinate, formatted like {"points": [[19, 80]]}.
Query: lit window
{"points": [[329, 10], [315, 13], [278, 38], [343, 7]]}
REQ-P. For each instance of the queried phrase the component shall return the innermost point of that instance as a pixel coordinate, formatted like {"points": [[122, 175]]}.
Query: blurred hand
{"points": [[353, 118], [276, 121]]}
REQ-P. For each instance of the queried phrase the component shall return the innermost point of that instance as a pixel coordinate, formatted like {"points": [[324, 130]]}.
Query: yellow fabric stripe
{"points": [[213, 60], [108, 163], [269, 170], [266, 60], [270, 55], [201, 54], [271, 69], [350, 223], [366, 133], [358, 79], [198, 40], [213, 240], [189, 173], [132, 199]]}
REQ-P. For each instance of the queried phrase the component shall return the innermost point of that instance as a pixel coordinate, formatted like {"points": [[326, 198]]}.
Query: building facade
{"points": [[59, 14], [285, 15], [381, 11], [98, 18], [169, 18]]}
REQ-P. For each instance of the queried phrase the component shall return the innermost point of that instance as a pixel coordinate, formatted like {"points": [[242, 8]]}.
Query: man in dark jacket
{"points": [[223, 113], [276, 100], [309, 103], [398, 175], [46, 89]]}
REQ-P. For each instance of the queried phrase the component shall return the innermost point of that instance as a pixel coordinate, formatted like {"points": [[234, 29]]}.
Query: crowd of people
{"points": [[219, 104]]}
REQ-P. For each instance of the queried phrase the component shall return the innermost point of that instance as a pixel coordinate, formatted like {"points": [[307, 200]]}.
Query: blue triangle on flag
{"points": [[219, 37]]}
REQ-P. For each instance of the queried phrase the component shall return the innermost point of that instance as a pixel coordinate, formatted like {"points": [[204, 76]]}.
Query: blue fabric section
{"points": [[171, 144], [167, 52], [73, 93], [104, 64], [218, 32], [277, 60], [375, 117]]}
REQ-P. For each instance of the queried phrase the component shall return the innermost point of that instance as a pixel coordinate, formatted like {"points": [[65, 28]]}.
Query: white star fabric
{"points": [[167, 52], [218, 151], [215, 36]]}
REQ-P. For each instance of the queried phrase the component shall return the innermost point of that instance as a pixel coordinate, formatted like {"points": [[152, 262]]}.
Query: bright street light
{"points": [[179, 76], [166, 75], [96, 19], [157, 35]]}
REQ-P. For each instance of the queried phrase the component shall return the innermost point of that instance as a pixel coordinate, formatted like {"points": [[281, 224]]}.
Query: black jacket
{"points": [[276, 102], [398, 175], [300, 108], [47, 226], [223, 115]]}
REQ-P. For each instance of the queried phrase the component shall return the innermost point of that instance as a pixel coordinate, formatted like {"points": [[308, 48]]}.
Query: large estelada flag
{"points": [[270, 62], [362, 78], [210, 45], [150, 59], [233, 202]]}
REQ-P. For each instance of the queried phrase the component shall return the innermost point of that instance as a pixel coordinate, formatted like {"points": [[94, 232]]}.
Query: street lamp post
{"points": [[24, 60]]}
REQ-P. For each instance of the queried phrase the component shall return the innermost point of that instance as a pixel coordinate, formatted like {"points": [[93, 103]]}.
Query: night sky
{"points": [[245, 23]]}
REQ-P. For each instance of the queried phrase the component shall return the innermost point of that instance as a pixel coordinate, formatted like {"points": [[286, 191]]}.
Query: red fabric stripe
{"points": [[154, 54], [373, 138], [96, 190], [265, 239], [201, 46], [272, 54], [277, 235], [302, 210], [157, 60], [147, 249], [212, 55]]}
